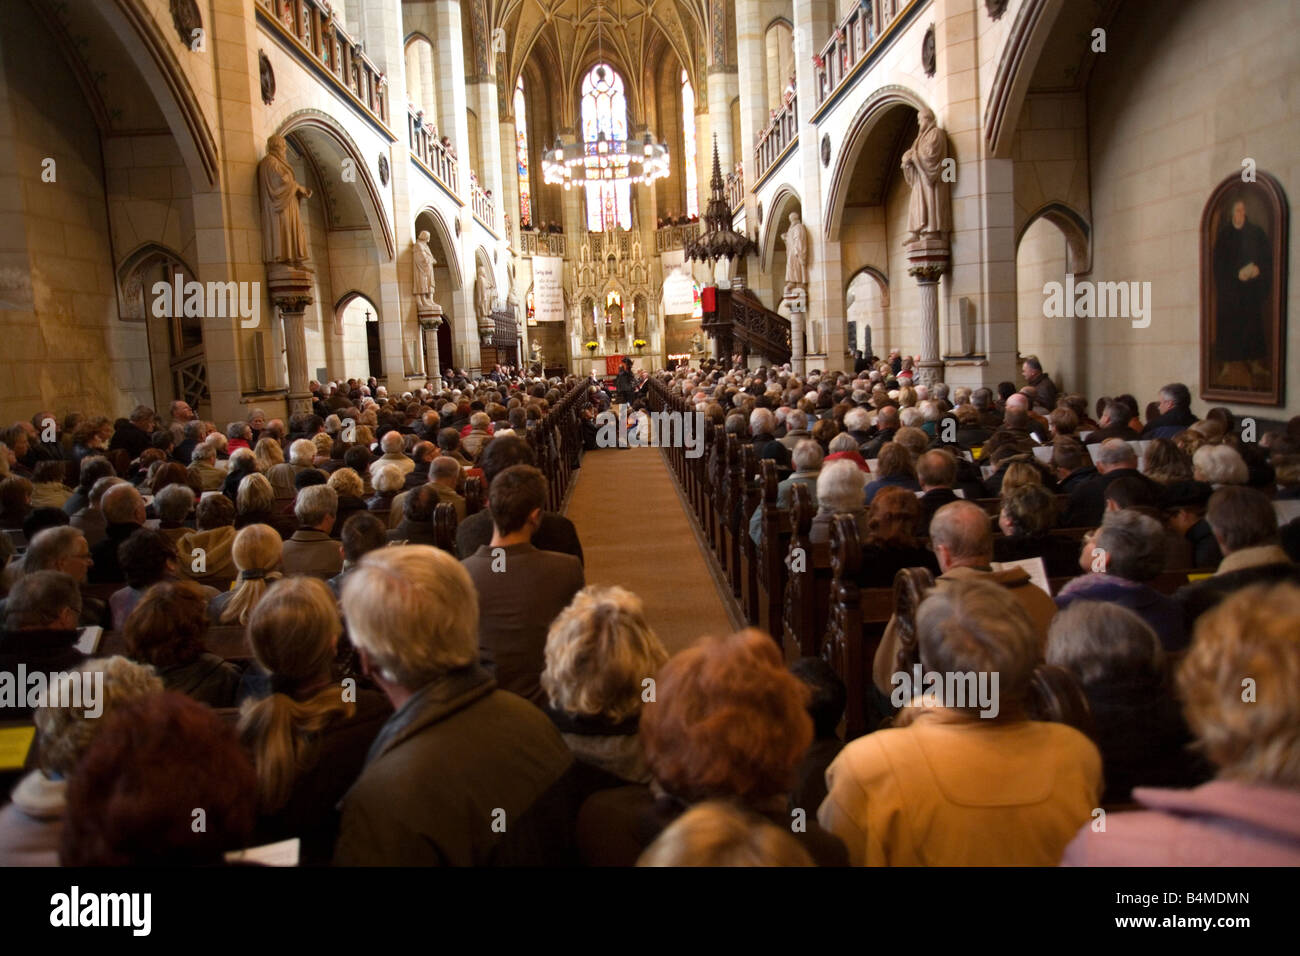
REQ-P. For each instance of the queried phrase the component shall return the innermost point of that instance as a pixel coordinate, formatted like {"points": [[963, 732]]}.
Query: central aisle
{"points": [[636, 533]]}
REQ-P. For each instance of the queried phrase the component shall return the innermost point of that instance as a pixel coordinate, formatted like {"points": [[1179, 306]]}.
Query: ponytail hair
{"points": [[256, 551], [293, 635]]}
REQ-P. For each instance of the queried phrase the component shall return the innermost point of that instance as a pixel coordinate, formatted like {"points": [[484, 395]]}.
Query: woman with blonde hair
{"points": [[599, 651], [1019, 474], [256, 552], [309, 737], [351, 490], [255, 500], [268, 453]]}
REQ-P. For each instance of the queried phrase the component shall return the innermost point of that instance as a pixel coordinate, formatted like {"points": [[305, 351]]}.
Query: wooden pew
{"points": [[806, 608], [749, 492], [444, 526], [473, 495], [774, 543]]}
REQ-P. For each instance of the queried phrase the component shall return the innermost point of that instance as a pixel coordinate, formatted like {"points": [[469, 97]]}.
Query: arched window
{"points": [[604, 110], [688, 158], [521, 156]]}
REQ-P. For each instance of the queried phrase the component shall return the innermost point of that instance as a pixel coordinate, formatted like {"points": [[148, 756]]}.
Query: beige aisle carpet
{"points": [[635, 533]]}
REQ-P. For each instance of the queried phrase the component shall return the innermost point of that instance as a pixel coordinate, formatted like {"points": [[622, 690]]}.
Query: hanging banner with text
{"points": [[679, 286], [548, 288]]}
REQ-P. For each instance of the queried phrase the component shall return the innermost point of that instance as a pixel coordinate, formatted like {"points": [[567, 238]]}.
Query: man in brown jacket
{"points": [[962, 539], [463, 773], [311, 550], [521, 589]]}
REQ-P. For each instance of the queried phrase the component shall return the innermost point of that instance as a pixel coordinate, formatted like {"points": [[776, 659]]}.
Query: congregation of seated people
{"points": [[294, 642]]}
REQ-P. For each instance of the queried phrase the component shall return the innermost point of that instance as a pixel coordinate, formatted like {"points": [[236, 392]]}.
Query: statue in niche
{"points": [[284, 239], [929, 214], [484, 293], [796, 255], [424, 263]]}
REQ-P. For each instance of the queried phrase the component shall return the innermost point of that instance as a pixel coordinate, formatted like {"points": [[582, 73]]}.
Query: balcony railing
{"points": [[853, 39], [672, 238], [311, 24], [431, 153], [779, 134], [736, 189], [541, 243], [482, 205]]}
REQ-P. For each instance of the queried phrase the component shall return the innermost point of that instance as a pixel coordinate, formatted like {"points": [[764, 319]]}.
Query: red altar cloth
{"points": [[612, 363]]}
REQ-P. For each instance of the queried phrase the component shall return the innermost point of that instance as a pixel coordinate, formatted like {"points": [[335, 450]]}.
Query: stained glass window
{"points": [[521, 154], [688, 160], [698, 311], [604, 110]]}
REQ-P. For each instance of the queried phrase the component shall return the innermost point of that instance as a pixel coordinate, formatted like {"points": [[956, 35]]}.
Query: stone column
{"points": [[290, 290], [928, 260], [813, 24], [724, 86], [797, 300], [430, 321], [428, 100]]}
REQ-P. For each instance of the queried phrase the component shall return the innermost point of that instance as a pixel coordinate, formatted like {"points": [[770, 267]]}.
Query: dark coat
{"points": [[1060, 555], [334, 763], [208, 679], [44, 650], [1162, 613], [1207, 594], [556, 533], [107, 569], [932, 501], [1087, 502], [457, 757], [1177, 419], [412, 532]]}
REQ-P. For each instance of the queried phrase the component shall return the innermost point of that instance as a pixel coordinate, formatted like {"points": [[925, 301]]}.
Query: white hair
{"points": [[857, 419], [1220, 465], [302, 452], [839, 487]]}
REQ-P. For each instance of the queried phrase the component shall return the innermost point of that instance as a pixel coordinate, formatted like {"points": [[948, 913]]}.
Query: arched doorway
{"points": [[178, 364], [356, 320]]}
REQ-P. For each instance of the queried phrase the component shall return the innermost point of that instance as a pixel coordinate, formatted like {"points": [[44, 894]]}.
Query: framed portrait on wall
{"points": [[1243, 292]]}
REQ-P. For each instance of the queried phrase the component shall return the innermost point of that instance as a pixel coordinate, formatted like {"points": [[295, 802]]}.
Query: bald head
{"points": [[122, 504], [1018, 401], [887, 417], [962, 536]]}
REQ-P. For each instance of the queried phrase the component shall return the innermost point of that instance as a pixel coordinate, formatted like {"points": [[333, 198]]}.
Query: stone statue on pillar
{"points": [[283, 237], [929, 214], [796, 255], [424, 286], [427, 311], [286, 254], [484, 296]]}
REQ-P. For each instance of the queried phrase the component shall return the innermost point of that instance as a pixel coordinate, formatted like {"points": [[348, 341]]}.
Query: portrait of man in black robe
{"points": [[1243, 282]]}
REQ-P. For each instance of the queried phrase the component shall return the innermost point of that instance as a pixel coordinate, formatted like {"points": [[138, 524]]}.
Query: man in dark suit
{"points": [[937, 472], [762, 425], [555, 533], [1245, 526], [1113, 424], [135, 436], [1045, 389], [521, 589], [124, 514], [1175, 412], [1072, 464], [1087, 503], [886, 427]]}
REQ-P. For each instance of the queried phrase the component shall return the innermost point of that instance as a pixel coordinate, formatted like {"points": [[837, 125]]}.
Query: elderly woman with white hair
{"points": [[1219, 465], [840, 490]]}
